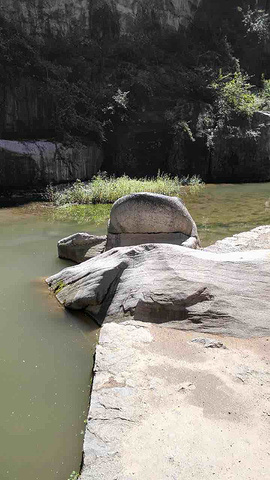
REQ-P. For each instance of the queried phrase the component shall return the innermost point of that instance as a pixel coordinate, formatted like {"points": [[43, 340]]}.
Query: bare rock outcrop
{"points": [[173, 286], [134, 220]]}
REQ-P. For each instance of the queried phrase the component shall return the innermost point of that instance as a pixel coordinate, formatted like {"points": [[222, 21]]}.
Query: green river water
{"points": [[46, 353]]}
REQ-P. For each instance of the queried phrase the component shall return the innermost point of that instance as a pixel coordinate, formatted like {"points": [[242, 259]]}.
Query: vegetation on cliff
{"points": [[155, 98]]}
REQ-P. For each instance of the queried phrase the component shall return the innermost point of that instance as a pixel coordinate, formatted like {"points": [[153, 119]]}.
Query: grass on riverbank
{"points": [[103, 189]]}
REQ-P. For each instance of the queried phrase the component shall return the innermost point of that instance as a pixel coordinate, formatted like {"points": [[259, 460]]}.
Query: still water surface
{"points": [[45, 352], [45, 355]]}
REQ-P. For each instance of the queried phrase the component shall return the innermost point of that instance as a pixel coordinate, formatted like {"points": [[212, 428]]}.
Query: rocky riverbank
{"points": [[172, 404], [177, 405], [167, 400]]}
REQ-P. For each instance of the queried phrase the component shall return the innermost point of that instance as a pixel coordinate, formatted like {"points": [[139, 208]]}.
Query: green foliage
{"points": [[81, 214], [229, 120], [234, 95], [67, 76], [182, 127], [265, 94], [103, 189], [59, 286], [94, 81], [74, 476], [266, 88]]}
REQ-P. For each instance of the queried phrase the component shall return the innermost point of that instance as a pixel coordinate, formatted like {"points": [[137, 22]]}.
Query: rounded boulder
{"points": [[150, 213]]}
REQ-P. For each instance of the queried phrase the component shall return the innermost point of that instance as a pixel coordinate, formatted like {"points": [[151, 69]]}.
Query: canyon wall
{"points": [[26, 112], [39, 17], [143, 144], [37, 164]]}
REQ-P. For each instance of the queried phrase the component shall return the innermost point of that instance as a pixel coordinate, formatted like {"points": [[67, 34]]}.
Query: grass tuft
{"points": [[104, 189]]}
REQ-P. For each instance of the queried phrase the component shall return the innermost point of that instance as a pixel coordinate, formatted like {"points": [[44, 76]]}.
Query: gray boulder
{"points": [[150, 218], [172, 286], [81, 246]]}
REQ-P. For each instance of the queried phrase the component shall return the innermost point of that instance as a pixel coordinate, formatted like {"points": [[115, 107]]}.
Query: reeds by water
{"points": [[104, 189]]}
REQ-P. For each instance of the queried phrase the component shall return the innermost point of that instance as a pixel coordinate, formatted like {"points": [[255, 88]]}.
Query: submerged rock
{"points": [[151, 218], [173, 286]]}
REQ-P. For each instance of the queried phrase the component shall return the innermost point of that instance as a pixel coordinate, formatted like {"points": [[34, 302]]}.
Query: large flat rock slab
{"points": [[173, 286], [166, 407]]}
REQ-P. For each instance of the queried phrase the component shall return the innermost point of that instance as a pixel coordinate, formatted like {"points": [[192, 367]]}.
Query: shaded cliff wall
{"points": [[161, 70], [227, 17], [167, 12], [32, 164], [43, 17], [26, 112]]}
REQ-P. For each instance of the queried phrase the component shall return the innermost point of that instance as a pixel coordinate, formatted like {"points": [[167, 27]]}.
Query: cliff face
{"points": [[25, 114], [167, 12], [43, 17], [68, 71], [38, 17], [32, 164]]}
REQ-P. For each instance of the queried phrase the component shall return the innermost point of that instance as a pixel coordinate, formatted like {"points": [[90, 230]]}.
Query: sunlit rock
{"points": [[81, 246], [151, 218], [173, 286]]}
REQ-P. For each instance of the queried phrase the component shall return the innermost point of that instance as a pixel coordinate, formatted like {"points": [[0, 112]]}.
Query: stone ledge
{"points": [[256, 239], [163, 406]]}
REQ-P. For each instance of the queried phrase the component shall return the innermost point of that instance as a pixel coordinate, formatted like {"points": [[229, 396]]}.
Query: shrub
{"points": [[257, 21], [234, 95], [103, 189]]}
